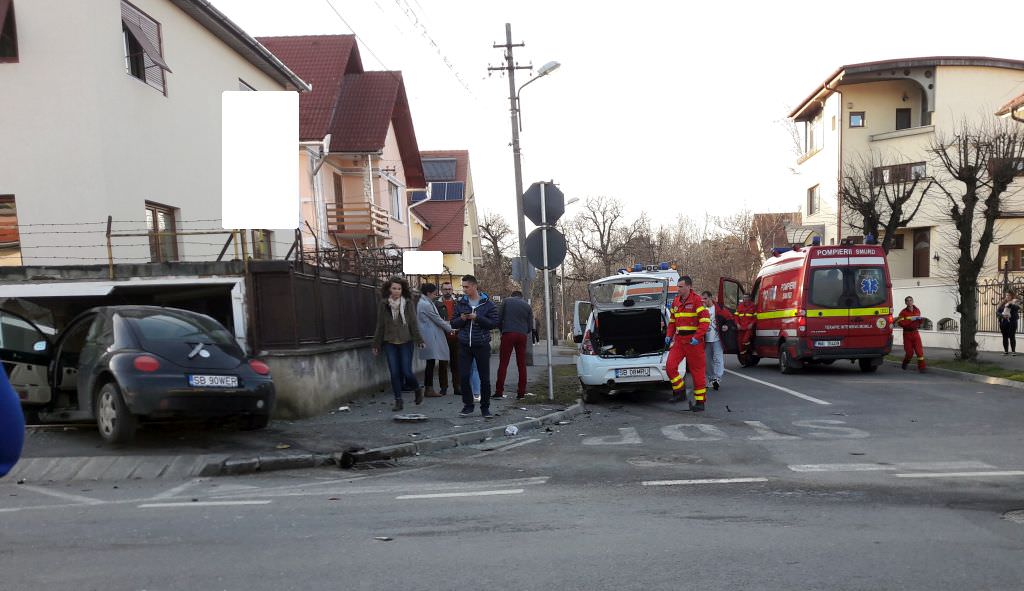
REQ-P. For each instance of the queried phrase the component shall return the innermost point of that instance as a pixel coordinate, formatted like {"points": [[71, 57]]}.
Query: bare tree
{"points": [[600, 231], [979, 162], [884, 197], [496, 242]]}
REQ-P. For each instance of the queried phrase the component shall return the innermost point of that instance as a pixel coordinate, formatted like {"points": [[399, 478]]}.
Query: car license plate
{"points": [[213, 381], [635, 372], [827, 343]]}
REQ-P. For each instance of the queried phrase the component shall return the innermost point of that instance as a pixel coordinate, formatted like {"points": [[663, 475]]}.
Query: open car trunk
{"points": [[629, 333]]}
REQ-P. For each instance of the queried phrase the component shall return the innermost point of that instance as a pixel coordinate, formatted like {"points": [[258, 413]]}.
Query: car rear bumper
{"points": [[806, 351], [594, 370], [167, 397]]}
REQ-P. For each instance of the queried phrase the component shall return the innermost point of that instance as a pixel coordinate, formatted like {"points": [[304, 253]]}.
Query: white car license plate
{"points": [[636, 372], [827, 343], [213, 381]]}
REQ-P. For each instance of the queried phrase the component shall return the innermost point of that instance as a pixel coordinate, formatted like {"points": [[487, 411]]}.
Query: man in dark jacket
{"points": [[475, 317], [515, 319]]}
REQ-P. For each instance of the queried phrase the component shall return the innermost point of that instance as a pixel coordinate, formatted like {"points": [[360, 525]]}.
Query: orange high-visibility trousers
{"points": [[911, 346], [695, 366]]}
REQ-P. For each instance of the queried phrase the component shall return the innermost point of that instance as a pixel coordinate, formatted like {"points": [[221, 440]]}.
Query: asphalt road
{"points": [[831, 479]]}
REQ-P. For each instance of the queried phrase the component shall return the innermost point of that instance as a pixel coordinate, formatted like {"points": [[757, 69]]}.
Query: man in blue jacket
{"points": [[475, 317], [12, 426]]}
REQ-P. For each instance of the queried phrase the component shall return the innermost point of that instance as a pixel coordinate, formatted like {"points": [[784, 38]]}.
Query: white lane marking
{"points": [[824, 431], [678, 432], [201, 504], [961, 474], [173, 492], [10, 509], [63, 495], [394, 489], [479, 493], [766, 434], [517, 444], [780, 388], [968, 465], [702, 481], [626, 436]]}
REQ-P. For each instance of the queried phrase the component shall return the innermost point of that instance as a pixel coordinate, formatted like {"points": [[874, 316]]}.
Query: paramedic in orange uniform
{"points": [[745, 317], [910, 320], [688, 322]]}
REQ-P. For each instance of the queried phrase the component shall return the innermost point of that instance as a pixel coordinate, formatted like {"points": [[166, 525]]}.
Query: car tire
{"points": [[255, 422], [786, 364], [747, 360], [591, 395], [867, 365], [115, 421]]}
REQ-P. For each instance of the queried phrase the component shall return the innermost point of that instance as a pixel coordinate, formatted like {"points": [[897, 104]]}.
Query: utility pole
{"points": [[510, 68]]}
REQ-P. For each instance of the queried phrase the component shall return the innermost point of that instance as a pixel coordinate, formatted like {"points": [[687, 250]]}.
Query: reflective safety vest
{"points": [[688, 317], [905, 321]]}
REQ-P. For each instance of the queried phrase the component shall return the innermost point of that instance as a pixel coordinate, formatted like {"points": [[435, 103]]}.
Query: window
{"points": [[848, 287], [902, 118], [261, 241], [163, 241], [1011, 257], [143, 58], [856, 118], [243, 85], [8, 33], [396, 201], [922, 252], [897, 242], [900, 173], [813, 200], [812, 134], [9, 235]]}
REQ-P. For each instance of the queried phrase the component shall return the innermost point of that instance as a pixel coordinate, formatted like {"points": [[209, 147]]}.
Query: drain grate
{"points": [[374, 465], [1015, 516]]}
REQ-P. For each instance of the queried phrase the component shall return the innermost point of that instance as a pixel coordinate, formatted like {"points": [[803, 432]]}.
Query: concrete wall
{"points": [[314, 381], [89, 140]]}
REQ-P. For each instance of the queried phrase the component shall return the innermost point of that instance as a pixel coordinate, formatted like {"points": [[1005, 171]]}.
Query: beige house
{"points": [[359, 157], [888, 114], [112, 108], [449, 210]]}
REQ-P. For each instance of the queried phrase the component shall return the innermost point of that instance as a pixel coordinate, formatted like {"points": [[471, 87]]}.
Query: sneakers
{"points": [[715, 384], [498, 396], [432, 393], [1014, 354], [467, 411], [1006, 353], [476, 398], [521, 396], [904, 365], [399, 405], [486, 414], [697, 406], [419, 395]]}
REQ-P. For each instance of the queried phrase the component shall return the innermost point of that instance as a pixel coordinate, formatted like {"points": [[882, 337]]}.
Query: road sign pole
{"points": [[547, 290]]}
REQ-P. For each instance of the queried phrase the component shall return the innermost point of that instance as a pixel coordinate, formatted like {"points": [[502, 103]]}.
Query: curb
{"points": [[970, 377], [299, 460], [348, 459]]}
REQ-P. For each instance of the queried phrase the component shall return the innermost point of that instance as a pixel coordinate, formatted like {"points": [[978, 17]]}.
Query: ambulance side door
{"points": [[729, 292]]}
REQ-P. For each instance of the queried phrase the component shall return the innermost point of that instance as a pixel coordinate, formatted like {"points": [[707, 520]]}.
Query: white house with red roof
{"points": [[448, 209], [359, 157]]}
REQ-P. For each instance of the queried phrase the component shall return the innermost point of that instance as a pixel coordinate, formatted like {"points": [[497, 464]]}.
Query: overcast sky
{"points": [[672, 107]]}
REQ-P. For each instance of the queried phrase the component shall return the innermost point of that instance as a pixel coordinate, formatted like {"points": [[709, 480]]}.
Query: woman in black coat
{"points": [[1008, 313]]}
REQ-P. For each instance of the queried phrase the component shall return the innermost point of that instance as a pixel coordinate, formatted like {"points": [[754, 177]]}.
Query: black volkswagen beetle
{"points": [[117, 365]]}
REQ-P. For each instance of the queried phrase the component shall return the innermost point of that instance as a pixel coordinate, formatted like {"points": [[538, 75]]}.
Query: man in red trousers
{"points": [[688, 323], [910, 320]]}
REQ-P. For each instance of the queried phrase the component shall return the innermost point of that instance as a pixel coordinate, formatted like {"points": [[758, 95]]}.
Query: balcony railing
{"points": [[358, 220]]}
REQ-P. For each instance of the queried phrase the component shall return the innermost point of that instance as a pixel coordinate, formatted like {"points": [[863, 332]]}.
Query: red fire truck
{"points": [[816, 304]]}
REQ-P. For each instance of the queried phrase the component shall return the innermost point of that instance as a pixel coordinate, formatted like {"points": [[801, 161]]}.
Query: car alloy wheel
{"points": [[115, 422]]}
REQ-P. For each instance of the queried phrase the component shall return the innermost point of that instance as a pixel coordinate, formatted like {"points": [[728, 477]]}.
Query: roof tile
{"points": [[446, 220]]}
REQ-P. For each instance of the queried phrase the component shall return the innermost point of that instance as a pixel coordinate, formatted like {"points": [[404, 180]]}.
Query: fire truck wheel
{"points": [[786, 363], [867, 365], [747, 360]]}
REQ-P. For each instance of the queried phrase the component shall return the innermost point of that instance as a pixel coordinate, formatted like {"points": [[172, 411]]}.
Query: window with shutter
{"points": [[142, 47], [163, 238], [8, 33], [9, 235]]}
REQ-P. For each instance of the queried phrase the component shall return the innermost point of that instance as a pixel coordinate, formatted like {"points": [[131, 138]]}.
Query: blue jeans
{"points": [[400, 365], [715, 360], [474, 379]]}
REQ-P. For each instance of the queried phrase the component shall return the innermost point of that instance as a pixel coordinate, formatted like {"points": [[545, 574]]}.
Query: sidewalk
{"points": [[940, 354], [368, 423]]}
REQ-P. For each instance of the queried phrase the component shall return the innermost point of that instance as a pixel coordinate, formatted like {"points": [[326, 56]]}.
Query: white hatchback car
{"points": [[622, 342]]}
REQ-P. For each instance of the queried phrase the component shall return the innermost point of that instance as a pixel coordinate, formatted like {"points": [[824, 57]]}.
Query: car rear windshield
{"points": [[848, 287], [159, 327], [645, 293]]}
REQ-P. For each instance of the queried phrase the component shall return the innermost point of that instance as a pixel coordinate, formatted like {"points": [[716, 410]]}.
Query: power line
{"points": [[425, 33], [356, 35]]}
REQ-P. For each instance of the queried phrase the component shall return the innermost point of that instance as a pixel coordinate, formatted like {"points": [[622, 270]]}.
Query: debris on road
{"points": [[384, 538], [411, 418], [282, 446], [511, 431], [562, 423], [343, 409]]}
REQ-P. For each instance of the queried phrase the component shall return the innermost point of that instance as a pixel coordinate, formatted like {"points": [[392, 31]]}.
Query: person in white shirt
{"points": [[713, 345]]}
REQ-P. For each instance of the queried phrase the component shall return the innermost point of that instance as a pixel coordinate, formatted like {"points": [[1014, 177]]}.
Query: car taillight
{"points": [[259, 367], [586, 347], [146, 363], [890, 319]]}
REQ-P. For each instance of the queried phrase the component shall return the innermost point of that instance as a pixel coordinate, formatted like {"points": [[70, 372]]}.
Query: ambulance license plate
{"points": [[827, 343], [213, 381], [636, 372]]}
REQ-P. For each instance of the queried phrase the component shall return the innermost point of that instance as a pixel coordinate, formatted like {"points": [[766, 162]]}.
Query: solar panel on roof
{"points": [[439, 169], [418, 196], [447, 191]]}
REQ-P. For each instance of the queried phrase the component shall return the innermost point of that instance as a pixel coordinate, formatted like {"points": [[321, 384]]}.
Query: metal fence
{"points": [[990, 295]]}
